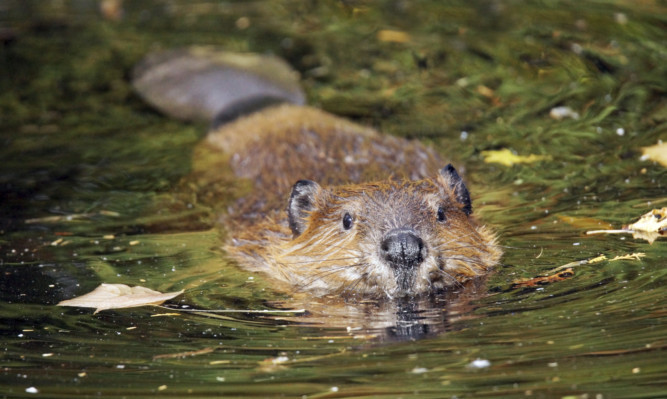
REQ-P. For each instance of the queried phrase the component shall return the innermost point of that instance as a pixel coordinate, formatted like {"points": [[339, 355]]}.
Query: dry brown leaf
{"points": [[117, 296], [649, 227]]}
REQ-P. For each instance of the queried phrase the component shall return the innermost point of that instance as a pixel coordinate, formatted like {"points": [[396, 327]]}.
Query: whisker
{"points": [[450, 249], [459, 237], [328, 272], [466, 260], [323, 261], [451, 279], [354, 286]]}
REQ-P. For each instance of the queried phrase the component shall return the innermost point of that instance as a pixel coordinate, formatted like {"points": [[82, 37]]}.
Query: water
{"points": [[77, 141]]}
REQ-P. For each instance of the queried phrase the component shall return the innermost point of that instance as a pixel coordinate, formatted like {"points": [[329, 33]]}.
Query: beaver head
{"points": [[392, 238]]}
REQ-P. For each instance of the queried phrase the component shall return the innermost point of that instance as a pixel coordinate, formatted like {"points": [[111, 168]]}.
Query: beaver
{"points": [[336, 208]]}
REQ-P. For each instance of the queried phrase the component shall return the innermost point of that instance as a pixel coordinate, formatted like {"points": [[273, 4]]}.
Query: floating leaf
{"points": [[649, 227], [508, 158], [657, 153], [393, 36], [117, 296], [653, 221]]}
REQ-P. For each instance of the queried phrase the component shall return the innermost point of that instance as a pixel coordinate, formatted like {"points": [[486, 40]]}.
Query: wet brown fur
{"points": [[383, 182]]}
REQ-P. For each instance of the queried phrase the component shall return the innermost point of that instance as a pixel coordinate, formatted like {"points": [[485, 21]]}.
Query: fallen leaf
{"points": [[394, 36], [117, 296], [653, 221], [657, 153], [485, 91], [649, 227], [507, 158]]}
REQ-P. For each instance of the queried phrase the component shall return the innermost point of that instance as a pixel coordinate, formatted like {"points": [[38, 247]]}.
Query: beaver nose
{"points": [[402, 248]]}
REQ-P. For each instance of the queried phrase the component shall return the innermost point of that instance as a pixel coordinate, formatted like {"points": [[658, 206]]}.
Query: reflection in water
{"points": [[401, 319]]}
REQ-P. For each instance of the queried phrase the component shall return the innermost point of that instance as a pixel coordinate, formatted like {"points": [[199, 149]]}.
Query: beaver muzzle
{"points": [[404, 251]]}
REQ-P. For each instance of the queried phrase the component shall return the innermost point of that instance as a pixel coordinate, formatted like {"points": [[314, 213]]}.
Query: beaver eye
{"points": [[442, 216], [347, 221]]}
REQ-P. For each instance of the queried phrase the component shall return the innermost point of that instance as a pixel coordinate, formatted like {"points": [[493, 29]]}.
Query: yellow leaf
{"points": [[116, 296], [485, 91], [394, 36], [657, 153], [507, 158]]}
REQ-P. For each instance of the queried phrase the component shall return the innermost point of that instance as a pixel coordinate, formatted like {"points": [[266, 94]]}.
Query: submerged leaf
{"points": [[507, 158], [584, 222], [116, 296]]}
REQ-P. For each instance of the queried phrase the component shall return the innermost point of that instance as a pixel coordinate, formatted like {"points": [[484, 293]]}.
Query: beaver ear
{"points": [[453, 181], [301, 203]]}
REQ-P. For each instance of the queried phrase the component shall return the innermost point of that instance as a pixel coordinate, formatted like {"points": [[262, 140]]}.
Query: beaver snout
{"points": [[402, 249]]}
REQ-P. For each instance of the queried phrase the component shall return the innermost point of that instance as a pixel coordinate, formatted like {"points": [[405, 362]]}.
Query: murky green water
{"points": [[94, 188]]}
